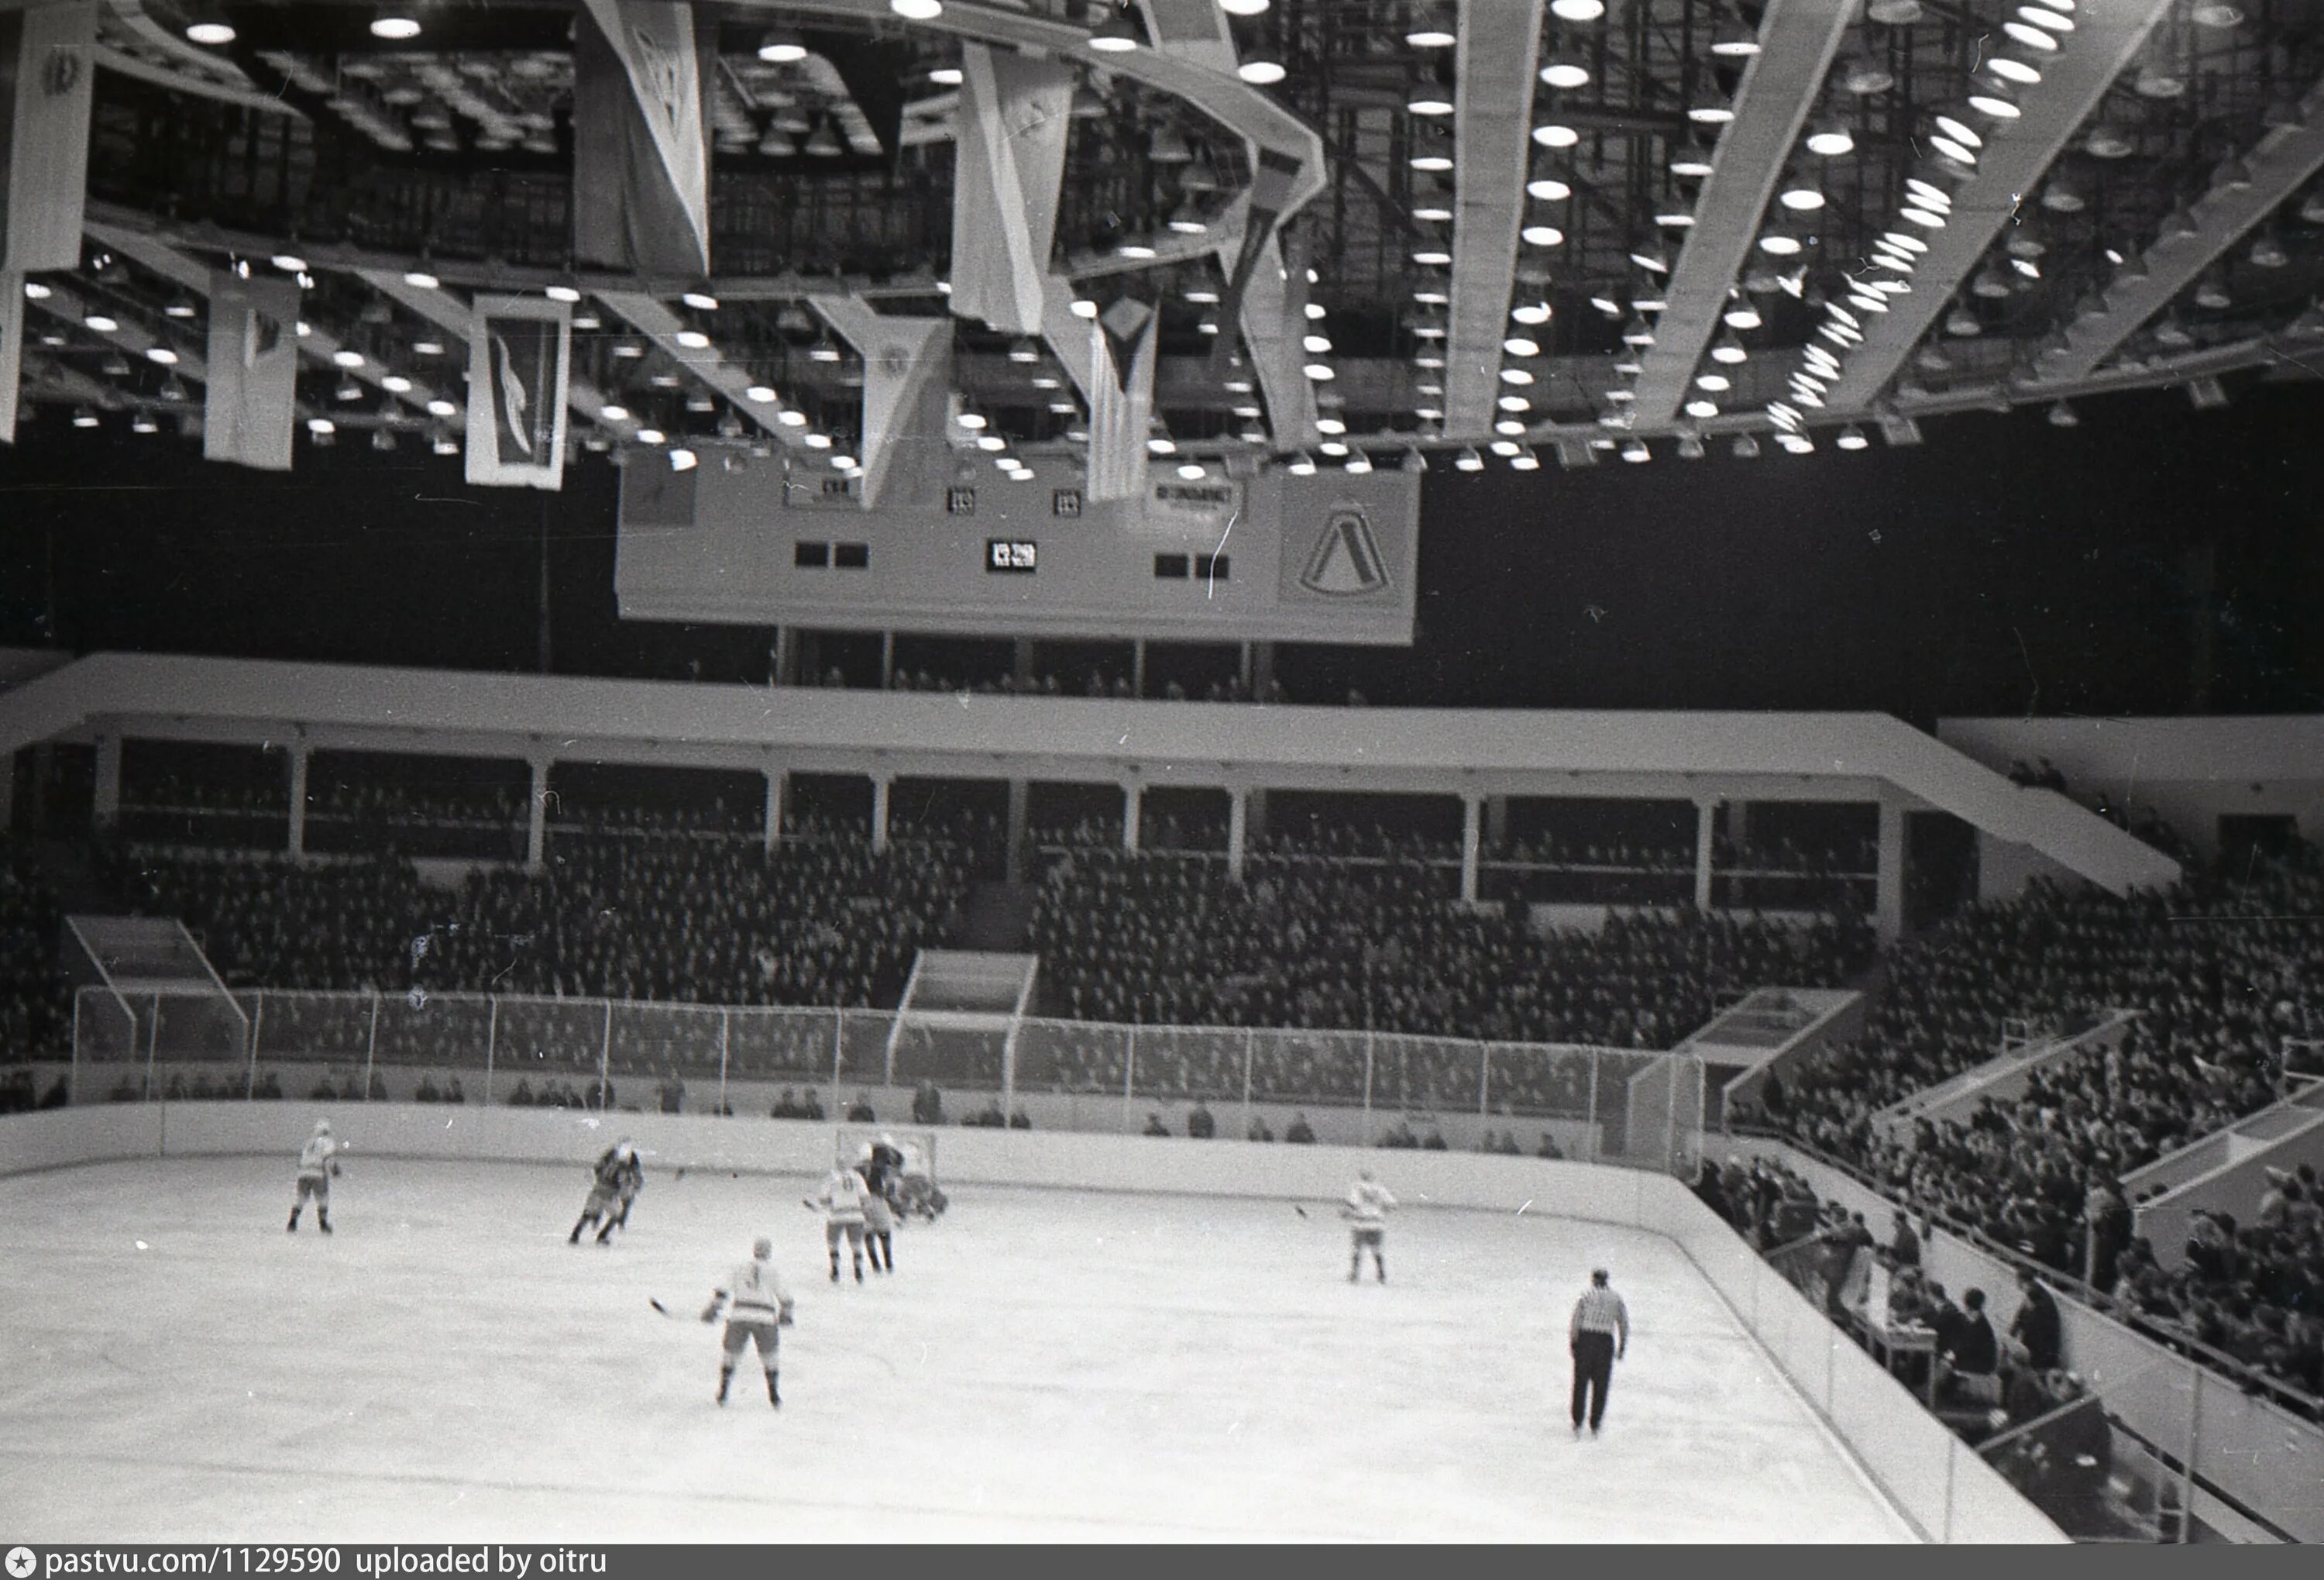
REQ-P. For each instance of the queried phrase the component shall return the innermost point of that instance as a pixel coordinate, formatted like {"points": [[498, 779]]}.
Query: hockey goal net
{"points": [[852, 1144]]}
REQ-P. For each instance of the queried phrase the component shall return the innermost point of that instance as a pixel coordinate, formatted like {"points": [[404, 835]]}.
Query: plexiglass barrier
{"points": [[1626, 1106]]}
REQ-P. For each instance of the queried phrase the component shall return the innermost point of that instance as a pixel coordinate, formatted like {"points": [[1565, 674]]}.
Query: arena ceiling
{"points": [[1369, 227]]}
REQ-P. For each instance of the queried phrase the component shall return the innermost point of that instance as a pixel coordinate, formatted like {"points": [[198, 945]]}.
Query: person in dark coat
{"points": [[2038, 1325], [1976, 1351]]}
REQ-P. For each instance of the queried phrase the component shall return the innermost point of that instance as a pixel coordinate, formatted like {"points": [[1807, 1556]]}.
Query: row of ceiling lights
{"points": [[2035, 29]]}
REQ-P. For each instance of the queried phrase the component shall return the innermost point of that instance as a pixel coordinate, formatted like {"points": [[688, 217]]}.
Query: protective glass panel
{"points": [[550, 1049], [1325, 1069], [447, 1032], [666, 1041], [1072, 1057], [763, 1043], [949, 1055], [1180, 1063], [1539, 1080], [312, 1028], [1426, 1075]]}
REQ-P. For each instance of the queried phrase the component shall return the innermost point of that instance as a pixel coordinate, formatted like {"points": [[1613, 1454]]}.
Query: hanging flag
{"points": [[1122, 405], [251, 398], [1015, 113], [45, 71], [12, 351], [907, 395], [640, 141], [1270, 190], [520, 355]]}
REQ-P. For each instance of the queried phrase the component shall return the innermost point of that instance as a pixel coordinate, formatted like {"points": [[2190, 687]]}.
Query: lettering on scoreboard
{"points": [[1328, 557]]}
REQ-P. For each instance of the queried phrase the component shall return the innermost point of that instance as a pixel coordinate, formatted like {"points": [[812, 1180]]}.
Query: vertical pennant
{"points": [[46, 67], [250, 402], [1015, 114], [12, 351], [519, 358], [1121, 403], [641, 141], [907, 394]]}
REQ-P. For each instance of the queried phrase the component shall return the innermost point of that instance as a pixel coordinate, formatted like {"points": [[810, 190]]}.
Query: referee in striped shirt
{"points": [[1597, 1338]]}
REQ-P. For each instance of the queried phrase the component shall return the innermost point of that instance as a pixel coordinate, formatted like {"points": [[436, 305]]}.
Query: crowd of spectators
{"points": [[1100, 682], [824, 919], [35, 1003], [2143, 822], [1337, 944], [2223, 971]]}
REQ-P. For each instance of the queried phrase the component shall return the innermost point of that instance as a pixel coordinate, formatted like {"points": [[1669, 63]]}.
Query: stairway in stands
{"points": [[997, 917]]}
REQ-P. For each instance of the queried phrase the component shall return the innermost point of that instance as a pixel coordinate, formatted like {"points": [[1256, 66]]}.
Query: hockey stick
{"points": [[1300, 1210], [665, 1310]]}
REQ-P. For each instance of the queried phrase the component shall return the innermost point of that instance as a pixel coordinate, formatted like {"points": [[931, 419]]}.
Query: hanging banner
{"points": [[1121, 407], [250, 403], [1015, 112], [520, 356], [640, 142], [45, 71]]}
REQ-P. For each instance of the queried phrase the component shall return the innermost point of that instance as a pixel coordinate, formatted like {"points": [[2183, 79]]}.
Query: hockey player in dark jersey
{"points": [[618, 1166]]}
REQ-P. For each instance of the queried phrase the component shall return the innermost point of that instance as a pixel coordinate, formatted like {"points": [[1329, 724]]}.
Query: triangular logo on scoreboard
{"points": [[1347, 561]]}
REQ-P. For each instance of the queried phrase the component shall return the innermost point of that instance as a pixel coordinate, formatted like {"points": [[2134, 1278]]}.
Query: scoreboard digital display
{"points": [[1011, 556]]}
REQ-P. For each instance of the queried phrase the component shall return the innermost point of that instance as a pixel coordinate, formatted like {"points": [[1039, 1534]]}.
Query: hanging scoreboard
{"points": [[750, 539]]}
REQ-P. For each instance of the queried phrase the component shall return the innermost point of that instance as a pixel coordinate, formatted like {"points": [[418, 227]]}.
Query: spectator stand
{"points": [[2229, 1171], [2024, 1053], [2173, 1402]]}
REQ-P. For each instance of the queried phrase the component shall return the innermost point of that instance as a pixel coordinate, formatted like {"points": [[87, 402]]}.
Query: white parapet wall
{"points": [[1939, 1483]]}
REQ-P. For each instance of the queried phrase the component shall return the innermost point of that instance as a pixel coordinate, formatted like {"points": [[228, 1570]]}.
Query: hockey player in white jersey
{"points": [[841, 1201], [319, 1165], [1368, 1202], [756, 1306]]}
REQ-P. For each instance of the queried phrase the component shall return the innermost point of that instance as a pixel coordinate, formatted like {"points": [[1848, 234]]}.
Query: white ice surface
{"points": [[1045, 1366]]}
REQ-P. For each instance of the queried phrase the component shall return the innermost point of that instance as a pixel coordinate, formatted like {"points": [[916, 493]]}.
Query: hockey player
{"points": [[319, 1165], [879, 1219], [842, 1200], [611, 1168], [1368, 1202], [757, 1305], [632, 1180]]}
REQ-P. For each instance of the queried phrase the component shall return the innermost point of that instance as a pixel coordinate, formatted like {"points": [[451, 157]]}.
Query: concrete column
{"points": [[1263, 666], [880, 784], [786, 657], [1706, 824], [107, 807], [1497, 818], [1236, 819], [1889, 910], [1243, 667], [1020, 798], [1020, 663], [536, 830], [1472, 836], [887, 661], [773, 831], [1133, 813], [1137, 668], [299, 757]]}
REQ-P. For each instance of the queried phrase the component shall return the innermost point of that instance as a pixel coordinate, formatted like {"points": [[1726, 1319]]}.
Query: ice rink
{"points": [[1045, 1366]]}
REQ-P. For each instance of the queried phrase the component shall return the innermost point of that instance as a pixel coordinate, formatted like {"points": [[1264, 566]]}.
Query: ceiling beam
{"points": [[2279, 165], [1499, 50], [2105, 41], [1798, 40], [318, 345], [649, 317]]}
